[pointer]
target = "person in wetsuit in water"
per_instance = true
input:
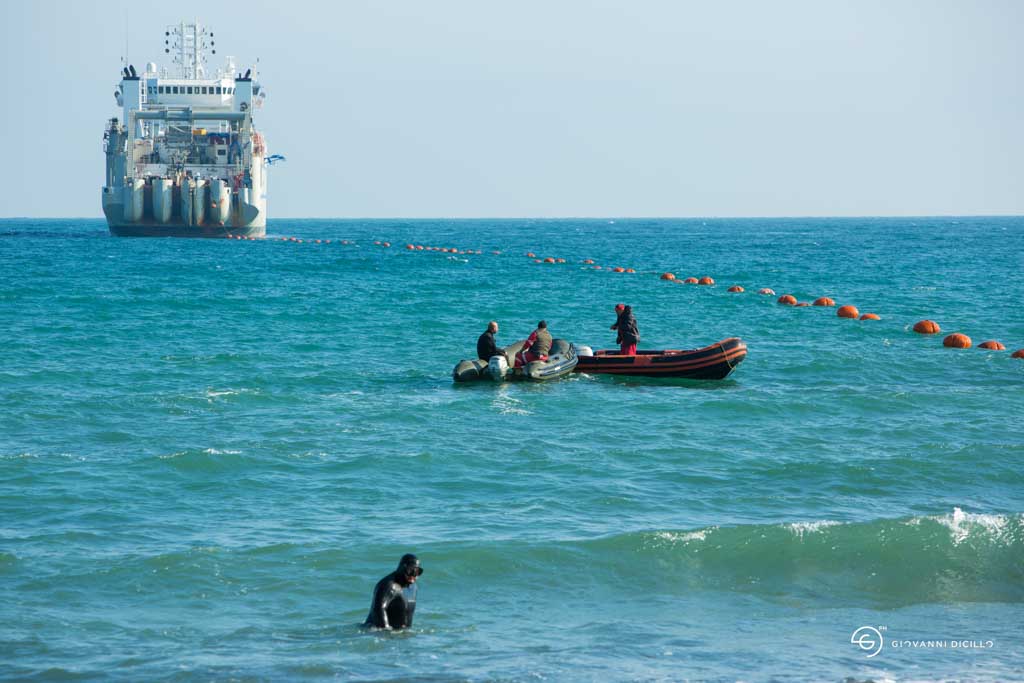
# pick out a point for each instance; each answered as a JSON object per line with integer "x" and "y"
{"x": 394, "y": 597}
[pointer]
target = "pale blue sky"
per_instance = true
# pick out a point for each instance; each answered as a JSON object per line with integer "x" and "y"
{"x": 567, "y": 108}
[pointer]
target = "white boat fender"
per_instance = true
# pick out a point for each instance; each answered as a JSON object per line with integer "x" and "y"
{"x": 584, "y": 351}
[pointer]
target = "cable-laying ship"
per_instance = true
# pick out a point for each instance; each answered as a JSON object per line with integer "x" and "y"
{"x": 185, "y": 160}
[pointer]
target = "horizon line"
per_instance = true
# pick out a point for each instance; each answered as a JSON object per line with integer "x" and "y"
{"x": 567, "y": 218}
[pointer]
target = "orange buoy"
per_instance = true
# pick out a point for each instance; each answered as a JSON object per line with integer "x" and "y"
{"x": 705, "y": 281}
{"x": 690, "y": 281}
{"x": 824, "y": 301}
{"x": 496, "y": 253}
{"x": 766, "y": 291}
{"x": 376, "y": 242}
{"x": 992, "y": 345}
{"x": 870, "y": 316}
{"x": 530, "y": 254}
{"x": 588, "y": 261}
{"x": 1019, "y": 353}
{"x": 957, "y": 341}
{"x": 537, "y": 260}
{"x": 597, "y": 267}
{"x": 409, "y": 246}
{"x": 927, "y": 327}
{"x": 848, "y": 312}
{"x": 630, "y": 270}
{"x": 668, "y": 276}
{"x": 549, "y": 260}
{"x": 619, "y": 269}
{"x": 386, "y": 244}
{"x": 787, "y": 300}
{"x": 735, "y": 288}
{"x": 559, "y": 260}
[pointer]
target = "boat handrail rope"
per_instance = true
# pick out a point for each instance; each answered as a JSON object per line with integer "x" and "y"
{"x": 726, "y": 356}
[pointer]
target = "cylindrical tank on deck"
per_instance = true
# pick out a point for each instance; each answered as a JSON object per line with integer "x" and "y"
{"x": 134, "y": 200}
{"x": 187, "y": 187}
{"x": 199, "y": 202}
{"x": 220, "y": 202}
{"x": 163, "y": 197}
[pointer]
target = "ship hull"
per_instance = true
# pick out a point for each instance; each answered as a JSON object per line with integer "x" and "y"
{"x": 155, "y": 230}
{"x": 248, "y": 221}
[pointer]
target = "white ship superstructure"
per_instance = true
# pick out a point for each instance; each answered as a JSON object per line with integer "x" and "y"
{"x": 185, "y": 159}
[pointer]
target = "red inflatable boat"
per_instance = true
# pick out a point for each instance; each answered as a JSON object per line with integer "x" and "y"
{"x": 711, "y": 362}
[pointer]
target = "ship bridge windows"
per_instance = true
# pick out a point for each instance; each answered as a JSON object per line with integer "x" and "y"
{"x": 218, "y": 90}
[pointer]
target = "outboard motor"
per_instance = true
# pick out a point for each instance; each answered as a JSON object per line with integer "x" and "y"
{"x": 497, "y": 368}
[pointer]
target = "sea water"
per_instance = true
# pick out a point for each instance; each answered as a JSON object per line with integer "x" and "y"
{"x": 211, "y": 450}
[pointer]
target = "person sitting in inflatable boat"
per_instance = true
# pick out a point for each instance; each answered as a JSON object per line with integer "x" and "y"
{"x": 536, "y": 347}
{"x": 486, "y": 347}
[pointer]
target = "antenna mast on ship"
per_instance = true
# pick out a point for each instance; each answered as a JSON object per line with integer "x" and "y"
{"x": 190, "y": 43}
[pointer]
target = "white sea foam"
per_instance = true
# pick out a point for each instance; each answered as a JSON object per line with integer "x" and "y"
{"x": 213, "y": 393}
{"x": 673, "y": 537}
{"x": 17, "y": 456}
{"x": 962, "y": 524}
{"x": 217, "y": 451}
{"x": 507, "y": 404}
{"x": 171, "y": 456}
{"x": 206, "y": 451}
{"x": 801, "y": 528}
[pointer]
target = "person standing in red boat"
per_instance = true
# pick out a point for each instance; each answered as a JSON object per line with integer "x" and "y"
{"x": 629, "y": 333}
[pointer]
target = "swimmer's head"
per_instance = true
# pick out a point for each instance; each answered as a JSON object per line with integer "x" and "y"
{"x": 409, "y": 568}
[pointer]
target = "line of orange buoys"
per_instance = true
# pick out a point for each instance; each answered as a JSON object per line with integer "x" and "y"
{"x": 847, "y": 311}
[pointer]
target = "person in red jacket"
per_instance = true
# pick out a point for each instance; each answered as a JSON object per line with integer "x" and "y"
{"x": 536, "y": 347}
{"x": 629, "y": 333}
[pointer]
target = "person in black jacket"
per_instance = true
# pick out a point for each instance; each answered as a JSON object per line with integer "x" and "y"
{"x": 629, "y": 333}
{"x": 394, "y": 597}
{"x": 485, "y": 345}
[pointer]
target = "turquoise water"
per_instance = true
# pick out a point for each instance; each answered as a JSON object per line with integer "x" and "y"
{"x": 211, "y": 450}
